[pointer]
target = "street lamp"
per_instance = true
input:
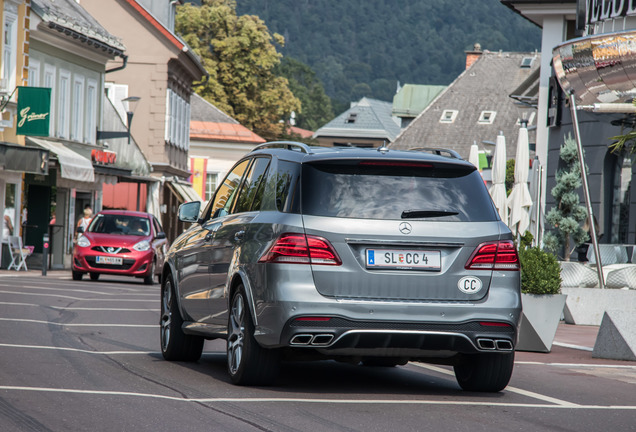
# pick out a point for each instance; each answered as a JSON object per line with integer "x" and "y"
{"x": 489, "y": 152}
{"x": 130, "y": 105}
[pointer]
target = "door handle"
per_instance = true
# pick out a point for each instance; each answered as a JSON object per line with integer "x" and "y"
{"x": 238, "y": 236}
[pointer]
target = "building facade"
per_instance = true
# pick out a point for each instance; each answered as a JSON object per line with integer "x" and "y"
{"x": 587, "y": 50}
{"x": 56, "y": 54}
{"x": 217, "y": 142}
{"x": 160, "y": 71}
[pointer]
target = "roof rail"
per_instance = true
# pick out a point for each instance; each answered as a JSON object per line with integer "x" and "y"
{"x": 289, "y": 145}
{"x": 438, "y": 151}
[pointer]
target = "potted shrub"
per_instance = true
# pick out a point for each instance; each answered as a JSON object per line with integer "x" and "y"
{"x": 541, "y": 297}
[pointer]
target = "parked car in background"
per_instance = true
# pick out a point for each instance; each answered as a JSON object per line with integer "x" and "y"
{"x": 370, "y": 256}
{"x": 120, "y": 242}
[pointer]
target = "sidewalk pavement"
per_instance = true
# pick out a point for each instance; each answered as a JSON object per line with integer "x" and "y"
{"x": 572, "y": 343}
{"x": 58, "y": 274}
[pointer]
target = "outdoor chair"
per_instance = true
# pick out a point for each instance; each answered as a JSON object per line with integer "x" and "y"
{"x": 622, "y": 278}
{"x": 18, "y": 253}
{"x": 577, "y": 275}
{"x": 610, "y": 254}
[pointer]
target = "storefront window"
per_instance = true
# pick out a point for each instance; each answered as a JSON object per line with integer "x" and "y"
{"x": 9, "y": 220}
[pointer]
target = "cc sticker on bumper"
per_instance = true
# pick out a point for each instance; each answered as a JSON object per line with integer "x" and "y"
{"x": 469, "y": 284}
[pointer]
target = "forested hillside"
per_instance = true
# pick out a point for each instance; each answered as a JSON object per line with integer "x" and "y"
{"x": 364, "y": 47}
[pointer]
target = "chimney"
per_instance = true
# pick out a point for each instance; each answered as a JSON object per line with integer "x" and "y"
{"x": 472, "y": 56}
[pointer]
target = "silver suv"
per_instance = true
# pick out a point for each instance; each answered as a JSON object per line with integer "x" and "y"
{"x": 371, "y": 256}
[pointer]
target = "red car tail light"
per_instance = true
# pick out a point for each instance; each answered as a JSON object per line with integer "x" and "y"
{"x": 499, "y": 255}
{"x": 494, "y": 324}
{"x": 301, "y": 249}
{"x": 313, "y": 319}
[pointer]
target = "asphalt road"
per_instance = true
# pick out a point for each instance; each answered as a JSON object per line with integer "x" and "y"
{"x": 84, "y": 356}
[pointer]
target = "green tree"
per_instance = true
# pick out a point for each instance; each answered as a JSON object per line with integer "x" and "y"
{"x": 316, "y": 107}
{"x": 510, "y": 175}
{"x": 350, "y": 42}
{"x": 567, "y": 215}
{"x": 240, "y": 54}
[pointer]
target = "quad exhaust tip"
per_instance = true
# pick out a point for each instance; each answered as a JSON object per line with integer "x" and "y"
{"x": 494, "y": 344}
{"x": 322, "y": 339}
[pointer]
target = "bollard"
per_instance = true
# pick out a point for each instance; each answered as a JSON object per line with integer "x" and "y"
{"x": 45, "y": 253}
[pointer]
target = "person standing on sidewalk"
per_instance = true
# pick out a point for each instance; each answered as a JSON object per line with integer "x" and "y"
{"x": 85, "y": 221}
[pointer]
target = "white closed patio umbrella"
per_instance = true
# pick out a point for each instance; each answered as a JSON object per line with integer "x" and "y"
{"x": 536, "y": 213}
{"x": 498, "y": 188}
{"x": 473, "y": 156}
{"x": 520, "y": 200}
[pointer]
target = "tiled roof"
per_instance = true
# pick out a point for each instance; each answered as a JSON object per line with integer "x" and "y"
{"x": 485, "y": 86}
{"x": 208, "y": 123}
{"x": 202, "y": 110}
{"x": 224, "y": 132}
{"x": 411, "y": 99}
{"x": 302, "y": 132}
{"x": 71, "y": 15}
{"x": 368, "y": 118}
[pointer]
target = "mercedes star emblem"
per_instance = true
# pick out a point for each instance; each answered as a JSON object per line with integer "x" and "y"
{"x": 405, "y": 228}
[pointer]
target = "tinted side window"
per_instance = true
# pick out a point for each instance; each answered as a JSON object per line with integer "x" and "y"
{"x": 287, "y": 187}
{"x": 356, "y": 190}
{"x": 251, "y": 185}
{"x": 224, "y": 197}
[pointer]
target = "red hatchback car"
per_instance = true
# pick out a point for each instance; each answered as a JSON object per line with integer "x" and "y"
{"x": 120, "y": 242}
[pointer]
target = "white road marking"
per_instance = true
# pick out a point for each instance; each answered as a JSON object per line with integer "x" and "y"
{"x": 509, "y": 388}
{"x": 75, "y": 298}
{"x": 54, "y": 348}
{"x": 116, "y": 285}
{"x": 577, "y": 347}
{"x": 79, "y": 324}
{"x": 88, "y": 291}
{"x": 577, "y": 365}
{"x": 312, "y": 401}
{"x": 80, "y": 308}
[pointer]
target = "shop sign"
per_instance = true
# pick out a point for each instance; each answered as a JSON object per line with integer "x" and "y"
{"x": 104, "y": 157}
{"x": 34, "y": 111}
{"x": 600, "y": 10}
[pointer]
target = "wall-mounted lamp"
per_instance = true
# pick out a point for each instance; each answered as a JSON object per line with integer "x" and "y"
{"x": 130, "y": 106}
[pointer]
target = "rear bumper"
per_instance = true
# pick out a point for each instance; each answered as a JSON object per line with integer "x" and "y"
{"x": 343, "y": 337}
{"x": 384, "y": 327}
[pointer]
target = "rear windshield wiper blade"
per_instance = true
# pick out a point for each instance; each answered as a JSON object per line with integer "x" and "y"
{"x": 414, "y": 214}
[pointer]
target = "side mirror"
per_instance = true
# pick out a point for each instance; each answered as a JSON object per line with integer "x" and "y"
{"x": 161, "y": 235}
{"x": 189, "y": 212}
{"x": 80, "y": 229}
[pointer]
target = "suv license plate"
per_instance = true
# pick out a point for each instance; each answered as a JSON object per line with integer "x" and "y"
{"x": 108, "y": 260}
{"x": 404, "y": 259}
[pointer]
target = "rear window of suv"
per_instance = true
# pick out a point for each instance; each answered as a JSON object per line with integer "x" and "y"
{"x": 395, "y": 190}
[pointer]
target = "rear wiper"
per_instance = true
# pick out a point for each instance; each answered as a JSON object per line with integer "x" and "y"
{"x": 413, "y": 214}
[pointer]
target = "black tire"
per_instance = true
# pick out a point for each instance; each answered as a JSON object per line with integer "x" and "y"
{"x": 150, "y": 278}
{"x": 94, "y": 276}
{"x": 247, "y": 362}
{"x": 175, "y": 344}
{"x": 484, "y": 372}
{"x": 77, "y": 275}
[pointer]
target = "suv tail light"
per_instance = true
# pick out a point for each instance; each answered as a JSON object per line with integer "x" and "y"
{"x": 499, "y": 255}
{"x": 301, "y": 249}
